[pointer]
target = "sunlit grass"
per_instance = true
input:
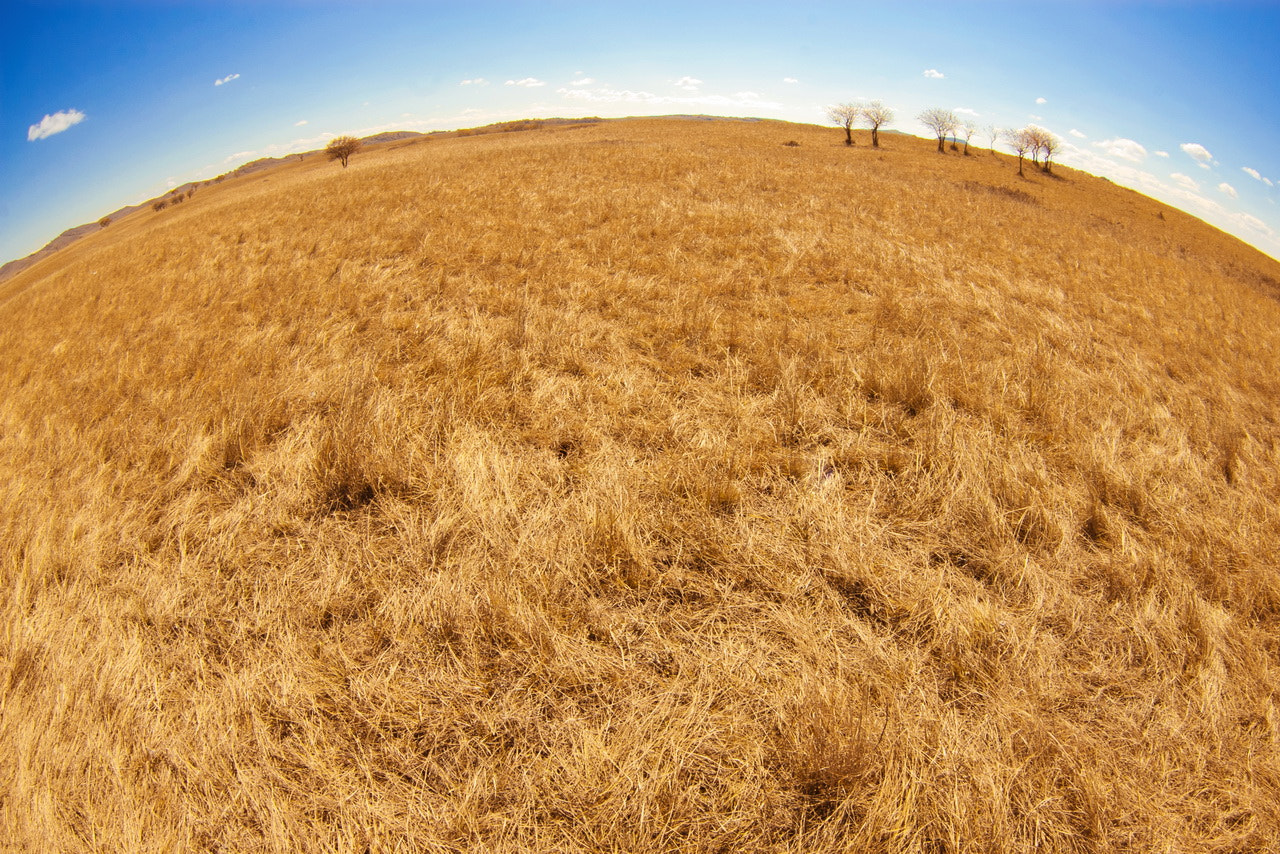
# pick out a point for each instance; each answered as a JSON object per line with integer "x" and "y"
{"x": 643, "y": 486}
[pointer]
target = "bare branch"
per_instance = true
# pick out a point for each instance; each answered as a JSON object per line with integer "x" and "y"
{"x": 941, "y": 122}
{"x": 341, "y": 148}
{"x": 845, "y": 115}
{"x": 877, "y": 115}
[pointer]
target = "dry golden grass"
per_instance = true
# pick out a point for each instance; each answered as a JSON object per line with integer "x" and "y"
{"x": 647, "y": 486}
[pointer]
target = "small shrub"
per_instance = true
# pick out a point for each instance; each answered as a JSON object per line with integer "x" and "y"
{"x": 159, "y": 206}
{"x": 104, "y": 222}
{"x": 792, "y": 143}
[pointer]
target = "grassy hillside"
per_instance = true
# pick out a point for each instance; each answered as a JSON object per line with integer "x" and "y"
{"x": 646, "y": 486}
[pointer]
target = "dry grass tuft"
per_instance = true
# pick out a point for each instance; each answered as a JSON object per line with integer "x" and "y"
{"x": 622, "y": 486}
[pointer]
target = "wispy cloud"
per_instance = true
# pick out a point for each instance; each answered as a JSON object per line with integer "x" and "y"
{"x": 689, "y": 84}
{"x": 226, "y": 79}
{"x": 965, "y": 111}
{"x": 56, "y": 123}
{"x": 934, "y": 74}
{"x": 1125, "y": 148}
{"x": 300, "y": 123}
{"x": 585, "y": 81}
{"x": 1197, "y": 152}
{"x": 1162, "y": 154}
{"x": 1252, "y": 173}
{"x": 1228, "y": 190}
{"x": 1077, "y": 134}
{"x": 529, "y": 82}
{"x": 790, "y": 80}
{"x": 737, "y": 101}
{"x": 1185, "y": 181}
{"x": 1042, "y": 100}
{"x": 474, "y": 81}
{"x": 1255, "y": 223}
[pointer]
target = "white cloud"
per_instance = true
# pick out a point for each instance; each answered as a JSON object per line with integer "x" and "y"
{"x": 737, "y": 101}
{"x": 1255, "y": 223}
{"x": 934, "y": 74}
{"x": 1034, "y": 117}
{"x": 1077, "y": 134}
{"x": 529, "y": 82}
{"x": 790, "y": 80}
{"x": 965, "y": 111}
{"x": 1185, "y": 181}
{"x": 1198, "y": 153}
{"x": 226, "y": 79}
{"x": 1125, "y": 148}
{"x": 1041, "y": 101}
{"x": 1162, "y": 154}
{"x": 689, "y": 84}
{"x": 585, "y": 81}
{"x": 1228, "y": 190}
{"x": 475, "y": 81}
{"x": 1252, "y": 173}
{"x": 56, "y": 123}
{"x": 300, "y": 124}
{"x": 1267, "y": 181}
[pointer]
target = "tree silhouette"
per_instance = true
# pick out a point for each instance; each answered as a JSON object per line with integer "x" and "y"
{"x": 341, "y": 148}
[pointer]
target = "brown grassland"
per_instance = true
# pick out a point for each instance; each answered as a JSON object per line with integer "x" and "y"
{"x": 650, "y": 485}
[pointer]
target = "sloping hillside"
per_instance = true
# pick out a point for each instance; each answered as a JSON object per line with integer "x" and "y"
{"x": 643, "y": 486}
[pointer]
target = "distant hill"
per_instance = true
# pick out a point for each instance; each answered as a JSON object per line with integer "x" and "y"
{"x": 71, "y": 235}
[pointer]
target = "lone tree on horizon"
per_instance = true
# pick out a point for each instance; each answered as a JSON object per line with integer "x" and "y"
{"x": 845, "y": 115}
{"x": 941, "y": 122}
{"x": 341, "y": 148}
{"x": 877, "y": 115}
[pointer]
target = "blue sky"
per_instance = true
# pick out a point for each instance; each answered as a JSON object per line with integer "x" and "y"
{"x": 107, "y": 104}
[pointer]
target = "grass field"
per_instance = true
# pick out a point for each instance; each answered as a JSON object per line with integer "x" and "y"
{"x": 643, "y": 486}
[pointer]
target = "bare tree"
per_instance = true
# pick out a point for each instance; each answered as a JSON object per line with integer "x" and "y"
{"x": 877, "y": 115}
{"x": 1047, "y": 147}
{"x": 941, "y": 122}
{"x": 341, "y": 148}
{"x": 969, "y": 130}
{"x": 1021, "y": 141}
{"x": 993, "y": 133}
{"x": 845, "y": 115}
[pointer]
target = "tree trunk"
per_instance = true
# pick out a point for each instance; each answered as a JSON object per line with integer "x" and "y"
{"x": 942, "y": 145}
{"x": 1020, "y": 175}
{"x": 875, "y": 138}
{"x": 848, "y": 135}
